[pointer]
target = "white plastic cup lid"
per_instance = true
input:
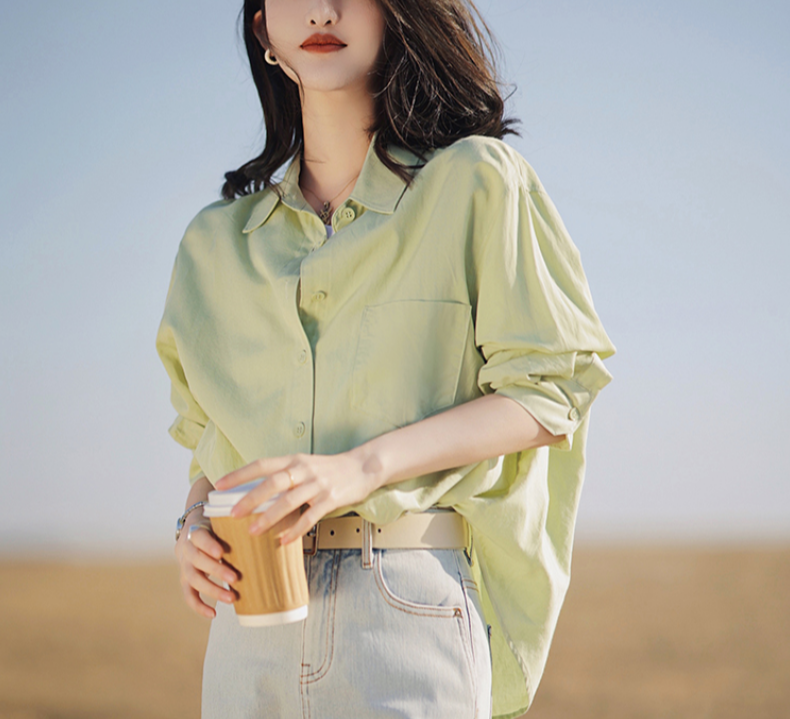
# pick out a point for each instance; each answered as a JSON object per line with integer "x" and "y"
{"x": 220, "y": 502}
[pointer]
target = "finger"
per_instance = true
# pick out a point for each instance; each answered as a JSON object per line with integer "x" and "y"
{"x": 289, "y": 502}
{"x": 312, "y": 516}
{"x": 254, "y": 470}
{"x": 192, "y": 556}
{"x": 199, "y": 581}
{"x": 276, "y": 483}
{"x": 205, "y": 541}
{"x": 197, "y": 605}
{"x": 211, "y": 566}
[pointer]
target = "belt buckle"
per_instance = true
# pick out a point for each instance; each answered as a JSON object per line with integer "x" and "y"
{"x": 313, "y": 534}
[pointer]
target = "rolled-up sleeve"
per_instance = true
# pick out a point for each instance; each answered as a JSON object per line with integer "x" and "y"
{"x": 535, "y": 324}
{"x": 191, "y": 420}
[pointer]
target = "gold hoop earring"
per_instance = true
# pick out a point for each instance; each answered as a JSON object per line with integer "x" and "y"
{"x": 269, "y": 58}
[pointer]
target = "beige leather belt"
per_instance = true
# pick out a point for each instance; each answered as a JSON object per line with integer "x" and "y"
{"x": 434, "y": 529}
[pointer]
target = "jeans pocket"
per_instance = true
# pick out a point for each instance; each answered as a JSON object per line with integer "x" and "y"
{"x": 425, "y": 589}
{"x": 419, "y": 581}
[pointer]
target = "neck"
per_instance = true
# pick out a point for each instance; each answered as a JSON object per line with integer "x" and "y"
{"x": 335, "y": 143}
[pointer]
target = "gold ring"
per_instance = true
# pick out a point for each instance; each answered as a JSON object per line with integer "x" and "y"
{"x": 291, "y": 477}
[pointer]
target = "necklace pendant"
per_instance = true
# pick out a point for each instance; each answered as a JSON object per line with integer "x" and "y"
{"x": 325, "y": 214}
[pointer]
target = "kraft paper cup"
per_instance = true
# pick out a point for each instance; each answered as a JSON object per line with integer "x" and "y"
{"x": 273, "y": 585}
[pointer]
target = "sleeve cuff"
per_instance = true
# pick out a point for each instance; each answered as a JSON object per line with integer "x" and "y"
{"x": 558, "y": 403}
{"x": 186, "y": 432}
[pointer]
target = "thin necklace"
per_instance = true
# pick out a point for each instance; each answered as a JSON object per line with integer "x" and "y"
{"x": 326, "y": 213}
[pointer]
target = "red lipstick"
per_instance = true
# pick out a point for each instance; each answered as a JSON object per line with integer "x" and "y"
{"x": 322, "y": 42}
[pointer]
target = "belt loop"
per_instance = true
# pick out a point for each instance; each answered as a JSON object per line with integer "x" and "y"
{"x": 367, "y": 544}
{"x": 312, "y": 534}
{"x": 470, "y": 542}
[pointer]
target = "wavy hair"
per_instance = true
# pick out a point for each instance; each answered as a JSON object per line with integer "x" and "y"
{"x": 436, "y": 83}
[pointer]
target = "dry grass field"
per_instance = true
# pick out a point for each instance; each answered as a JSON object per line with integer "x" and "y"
{"x": 646, "y": 633}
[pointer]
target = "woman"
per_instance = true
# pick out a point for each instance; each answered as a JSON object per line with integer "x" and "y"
{"x": 401, "y": 327}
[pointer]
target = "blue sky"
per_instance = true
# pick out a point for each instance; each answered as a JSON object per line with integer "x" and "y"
{"x": 659, "y": 130}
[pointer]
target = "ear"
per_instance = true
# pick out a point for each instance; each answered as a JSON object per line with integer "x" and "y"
{"x": 258, "y": 28}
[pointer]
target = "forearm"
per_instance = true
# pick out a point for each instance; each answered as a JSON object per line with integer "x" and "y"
{"x": 198, "y": 493}
{"x": 486, "y": 427}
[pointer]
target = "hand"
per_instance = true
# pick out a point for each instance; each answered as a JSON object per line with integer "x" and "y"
{"x": 323, "y": 482}
{"x": 197, "y": 558}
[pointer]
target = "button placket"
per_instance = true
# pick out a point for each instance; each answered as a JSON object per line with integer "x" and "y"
{"x": 310, "y": 278}
{"x": 315, "y": 282}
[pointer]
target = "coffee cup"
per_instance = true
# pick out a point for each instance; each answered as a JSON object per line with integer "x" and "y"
{"x": 272, "y": 588}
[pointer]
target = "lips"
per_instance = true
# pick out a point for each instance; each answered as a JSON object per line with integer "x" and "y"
{"x": 322, "y": 40}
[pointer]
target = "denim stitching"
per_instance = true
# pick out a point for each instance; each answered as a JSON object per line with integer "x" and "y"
{"x": 329, "y": 640}
{"x": 468, "y": 612}
{"x": 470, "y": 646}
{"x": 303, "y": 693}
{"x": 403, "y": 605}
{"x": 469, "y": 667}
{"x": 425, "y": 610}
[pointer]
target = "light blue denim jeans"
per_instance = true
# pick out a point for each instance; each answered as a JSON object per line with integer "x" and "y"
{"x": 395, "y": 633}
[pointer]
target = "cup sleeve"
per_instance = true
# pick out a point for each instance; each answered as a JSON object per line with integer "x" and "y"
{"x": 535, "y": 323}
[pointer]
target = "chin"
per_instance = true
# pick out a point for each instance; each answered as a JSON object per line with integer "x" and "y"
{"x": 332, "y": 82}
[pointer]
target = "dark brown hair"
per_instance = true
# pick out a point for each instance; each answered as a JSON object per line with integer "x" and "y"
{"x": 435, "y": 84}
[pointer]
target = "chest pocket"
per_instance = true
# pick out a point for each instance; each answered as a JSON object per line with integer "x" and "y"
{"x": 408, "y": 359}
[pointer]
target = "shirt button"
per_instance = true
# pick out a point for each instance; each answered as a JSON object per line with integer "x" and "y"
{"x": 320, "y": 295}
{"x": 348, "y": 213}
{"x": 299, "y": 429}
{"x": 302, "y": 357}
{"x": 574, "y": 414}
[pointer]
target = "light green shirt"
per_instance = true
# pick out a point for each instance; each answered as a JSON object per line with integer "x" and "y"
{"x": 280, "y": 340}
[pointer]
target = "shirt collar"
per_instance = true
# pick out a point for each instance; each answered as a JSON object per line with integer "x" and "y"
{"x": 377, "y": 188}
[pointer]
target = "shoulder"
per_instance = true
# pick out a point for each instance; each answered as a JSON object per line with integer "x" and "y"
{"x": 487, "y": 162}
{"x": 223, "y": 219}
{"x": 215, "y": 231}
